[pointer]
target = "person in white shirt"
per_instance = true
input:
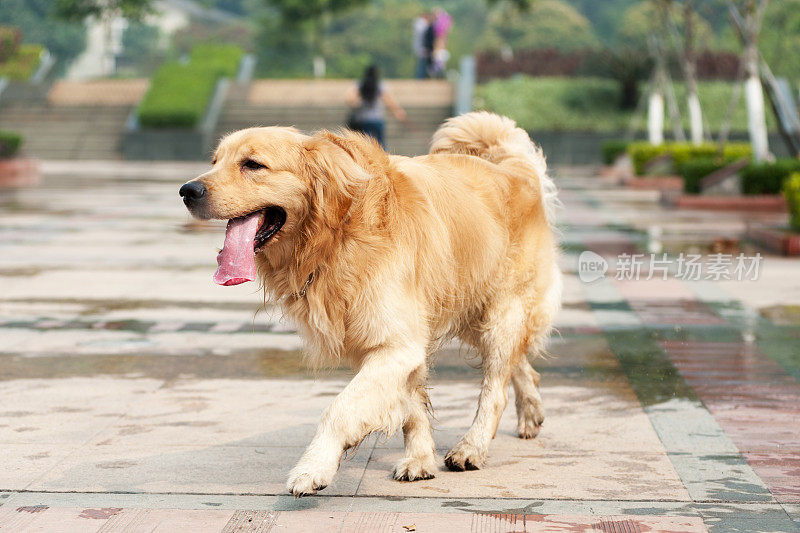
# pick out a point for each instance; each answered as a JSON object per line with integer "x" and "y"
{"x": 367, "y": 99}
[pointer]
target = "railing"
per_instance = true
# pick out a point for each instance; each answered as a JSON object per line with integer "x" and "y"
{"x": 246, "y": 68}
{"x": 35, "y": 88}
{"x": 3, "y": 85}
{"x": 209, "y": 124}
{"x": 46, "y": 64}
{"x": 465, "y": 86}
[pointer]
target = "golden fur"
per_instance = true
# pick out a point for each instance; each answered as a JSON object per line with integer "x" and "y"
{"x": 402, "y": 253}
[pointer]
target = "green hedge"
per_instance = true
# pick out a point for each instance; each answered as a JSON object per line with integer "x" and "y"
{"x": 791, "y": 190}
{"x": 643, "y": 152}
{"x": 613, "y": 149}
{"x": 10, "y": 143}
{"x": 222, "y": 60}
{"x": 23, "y": 63}
{"x": 767, "y": 178}
{"x": 694, "y": 170}
{"x": 179, "y": 94}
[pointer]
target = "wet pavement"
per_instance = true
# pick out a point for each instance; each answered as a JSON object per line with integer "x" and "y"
{"x": 137, "y": 394}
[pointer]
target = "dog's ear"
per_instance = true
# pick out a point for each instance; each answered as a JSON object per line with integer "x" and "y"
{"x": 335, "y": 175}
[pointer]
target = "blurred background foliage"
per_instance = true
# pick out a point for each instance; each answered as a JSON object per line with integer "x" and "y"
{"x": 355, "y": 32}
{"x": 38, "y": 23}
{"x": 555, "y": 63}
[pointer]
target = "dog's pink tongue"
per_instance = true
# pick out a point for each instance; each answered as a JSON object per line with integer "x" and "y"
{"x": 237, "y": 260}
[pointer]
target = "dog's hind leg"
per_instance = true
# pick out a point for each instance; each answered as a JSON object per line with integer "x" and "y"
{"x": 377, "y": 399}
{"x": 502, "y": 344}
{"x": 530, "y": 411}
{"x": 420, "y": 457}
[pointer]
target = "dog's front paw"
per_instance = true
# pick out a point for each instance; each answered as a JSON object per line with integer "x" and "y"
{"x": 414, "y": 468}
{"x": 530, "y": 417}
{"x": 305, "y": 484}
{"x": 465, "y": 456}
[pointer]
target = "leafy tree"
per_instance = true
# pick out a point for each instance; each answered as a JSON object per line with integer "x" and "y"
{"x": 39, "y": 25}
{"x": 80, "y": 9}
{"x": 629, "y": 66}
{"x": 547, "y": 24}
{"x": 641, "y": 20}
{"x": 780, "y": 43}
{"x": 105, "y": 11}
{"x": 142, "y": 52}
{"x": 281, "y": 53}
{"x": 603, "y": 14}
{"x": 369, "y": 36}
{"x": 312, "y": 17}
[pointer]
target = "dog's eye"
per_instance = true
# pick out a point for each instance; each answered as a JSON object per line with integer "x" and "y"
{"x": 249, "y": 164}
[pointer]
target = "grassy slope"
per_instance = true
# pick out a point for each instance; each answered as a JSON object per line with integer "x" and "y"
{"x": 590, "y": 104}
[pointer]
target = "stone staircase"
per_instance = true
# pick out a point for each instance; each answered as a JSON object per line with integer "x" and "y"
{"x": 86, "y": 120}
{"x": 77, "y": 120}
{"x": 74, "y": 132}
{"x": 310, "y": 105}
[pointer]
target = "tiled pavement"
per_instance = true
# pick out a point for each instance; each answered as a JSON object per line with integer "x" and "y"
{"x": 136, "y": 395}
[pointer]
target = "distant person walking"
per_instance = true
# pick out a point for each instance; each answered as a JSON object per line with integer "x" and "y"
{"x": 367, "y": 99}
{"x": 422, "y": 44}
{"x": 441, "y": 25}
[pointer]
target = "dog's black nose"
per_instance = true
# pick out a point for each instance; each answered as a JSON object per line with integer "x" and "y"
{"x": 194, "y": 190}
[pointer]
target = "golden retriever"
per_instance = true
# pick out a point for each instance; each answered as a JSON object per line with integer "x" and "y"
{"x": 379, "y": 258}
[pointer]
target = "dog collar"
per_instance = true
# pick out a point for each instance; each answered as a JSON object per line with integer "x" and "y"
{"x": 302, "y": 292}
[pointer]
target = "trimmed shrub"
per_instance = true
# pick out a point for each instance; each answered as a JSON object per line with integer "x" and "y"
{"x": 613, "y": 149}
{"x": 791, "y": 190}
{"x": 179, "y": 94}
{"x": 694, "y": 170}
{"x": 767, "y": 178}
{"x": 23, "y": 64}
{"x": 643, "y": 152}
{"x": 736, "y": 151}
{"x": 10, "y": 143}
{"x": 177, "y": 98}
{"x": 221, "y": 60}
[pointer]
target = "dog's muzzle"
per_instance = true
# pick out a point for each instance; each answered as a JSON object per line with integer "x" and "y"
{"x": 192, "y": 193}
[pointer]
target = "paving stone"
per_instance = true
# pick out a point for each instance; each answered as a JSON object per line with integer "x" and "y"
{"x": 536, "y": 474}
{"x": 188, "y": 469}
{"x": 68, "y": 412}
{"x": 659, "y": 416}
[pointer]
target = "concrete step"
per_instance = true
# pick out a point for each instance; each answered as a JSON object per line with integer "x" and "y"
{"x": 67, "y": 131}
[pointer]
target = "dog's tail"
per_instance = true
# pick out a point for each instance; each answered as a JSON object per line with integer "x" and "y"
{"x": 496, "y": 139}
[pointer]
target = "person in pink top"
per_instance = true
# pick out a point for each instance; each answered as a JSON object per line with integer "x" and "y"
{"x": 442, "y": 23}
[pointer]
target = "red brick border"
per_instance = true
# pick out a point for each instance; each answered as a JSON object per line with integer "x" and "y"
{"x": 775, "y": 239}
{"x": 18, "y": 172}
{"x": 769, "y": 203}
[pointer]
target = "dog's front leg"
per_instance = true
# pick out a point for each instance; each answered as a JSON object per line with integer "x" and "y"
{"x": 375, "y": 400}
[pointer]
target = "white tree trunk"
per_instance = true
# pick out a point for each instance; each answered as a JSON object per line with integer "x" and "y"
{"x": 756, "y": 119}
{"x": 695, "y": 118}
{"x": 108, "y": 54}
{"x": 655, "y": 118}
{"x": 319, "y": 67}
